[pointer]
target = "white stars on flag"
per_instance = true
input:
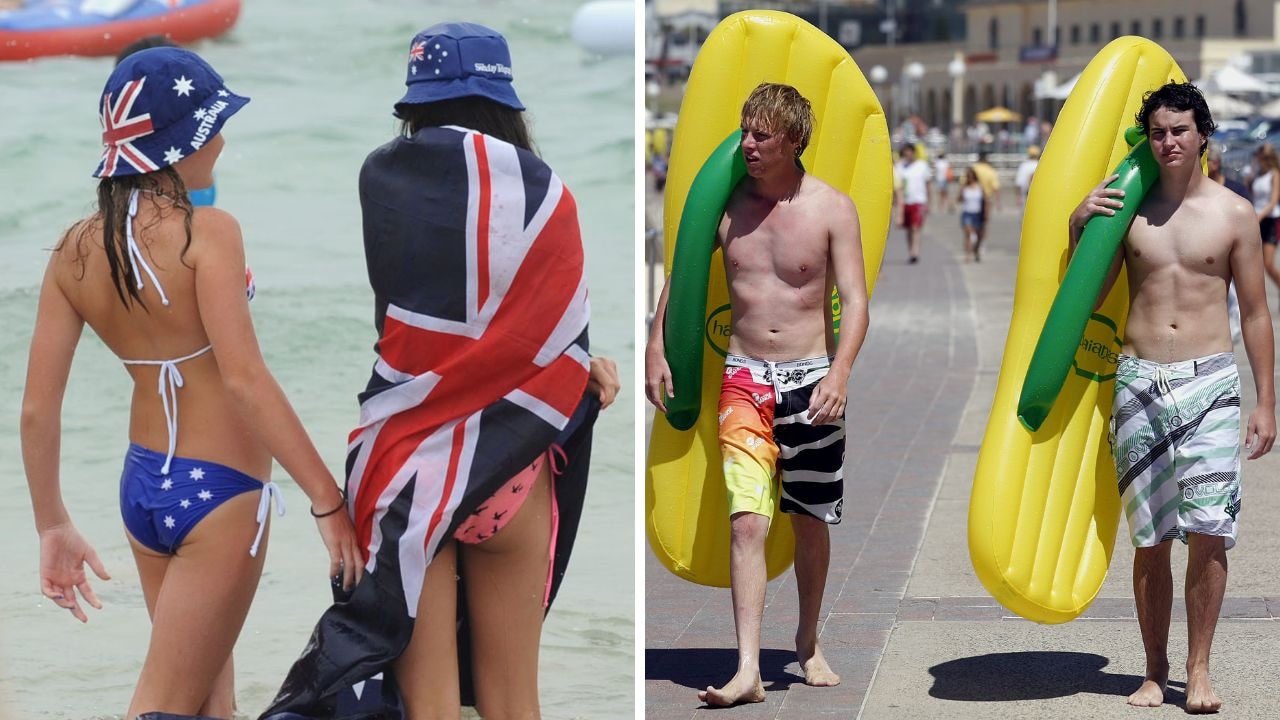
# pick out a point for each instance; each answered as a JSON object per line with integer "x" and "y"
{"x": 438, "y": 60}
{"x": 223, "y": 93}
{"x": 182, "y": 85}
{"x": 167, "y": 484}
{"x": 199, "y": 113}
{"x": 172, "y": 155}
{"x": 185, "y": 503}
{"x": 169, "y": 522}
{"x": 204, "y": 495}
{"x": 197, "y": 473}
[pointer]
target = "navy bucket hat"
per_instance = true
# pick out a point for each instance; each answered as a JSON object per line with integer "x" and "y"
{"x": 455, "y": 60}
{"x": 159, "y": 106}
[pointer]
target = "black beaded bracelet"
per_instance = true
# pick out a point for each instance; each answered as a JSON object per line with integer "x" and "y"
{"x": 327, "y": 514}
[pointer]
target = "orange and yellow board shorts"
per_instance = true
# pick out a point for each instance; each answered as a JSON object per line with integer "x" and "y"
{"x": 774, "y": 458}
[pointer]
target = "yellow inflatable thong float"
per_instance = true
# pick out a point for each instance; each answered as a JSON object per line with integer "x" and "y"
{"x": 1045, "y": 508}
{"x": 686, "y": 508}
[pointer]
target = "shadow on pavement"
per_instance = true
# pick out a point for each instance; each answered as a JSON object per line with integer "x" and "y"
{"x": 697, "y": 668}
{"x": 1035, "y": 675}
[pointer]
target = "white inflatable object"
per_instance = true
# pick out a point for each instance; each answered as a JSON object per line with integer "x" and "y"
{"x": 606, "y": 27}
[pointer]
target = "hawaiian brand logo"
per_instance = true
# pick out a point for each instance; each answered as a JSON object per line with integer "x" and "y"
{"x": 835, "y": 311}
{"x": 1099, "y": 350}
{"x": 718, "y": 328}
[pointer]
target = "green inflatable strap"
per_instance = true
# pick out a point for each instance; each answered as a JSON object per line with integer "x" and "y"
{"x": 690, "y": 270}
{"x": 1078, "y": 294}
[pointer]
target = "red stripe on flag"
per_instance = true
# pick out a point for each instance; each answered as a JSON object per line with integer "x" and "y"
{"x": 130, "y": 89}
{"x": 139, "y": 160}
{"x": 450, "y": 479}
{"x": 482, "y": 222}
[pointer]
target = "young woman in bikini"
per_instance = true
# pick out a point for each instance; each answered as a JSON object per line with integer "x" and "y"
{"x": 164, "y": 285}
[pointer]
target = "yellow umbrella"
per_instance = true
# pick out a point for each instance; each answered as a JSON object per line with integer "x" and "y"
{"x": 998, "y": 113}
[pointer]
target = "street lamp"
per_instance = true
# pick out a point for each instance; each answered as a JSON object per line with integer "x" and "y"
{"x": 878, "y": 76}
{"x": 912, "y": 74}
{"x": 956, "y": 70}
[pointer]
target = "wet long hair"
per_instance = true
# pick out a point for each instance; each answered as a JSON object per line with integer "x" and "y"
{"x": 1179, "y": 97}
{"x": 475, "y": 113}
{"x": 113, "y": 214}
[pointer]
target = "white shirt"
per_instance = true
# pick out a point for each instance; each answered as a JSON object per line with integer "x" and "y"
{"x": 1262, "y": 193}
{"x": 971, "y": 197}
{"x": 1025, "y": 170}
{"x": 915, "y": 182}
{"x": 940, "y": 168}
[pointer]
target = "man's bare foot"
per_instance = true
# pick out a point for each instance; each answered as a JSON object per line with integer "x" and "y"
{"x": 817, "y": 673}
{"x": 1151, "y": 693}
{"x": 1200, "y": 695}
{"x": 743, "y": 688}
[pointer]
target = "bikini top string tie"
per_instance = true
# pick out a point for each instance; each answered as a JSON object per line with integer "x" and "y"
{"x": 135, "y": 254}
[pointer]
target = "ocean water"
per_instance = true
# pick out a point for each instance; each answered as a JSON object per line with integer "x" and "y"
{"x": 323, "y": 76}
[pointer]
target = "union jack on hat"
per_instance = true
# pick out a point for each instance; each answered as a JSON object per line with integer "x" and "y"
{"x": 159, "y": 106}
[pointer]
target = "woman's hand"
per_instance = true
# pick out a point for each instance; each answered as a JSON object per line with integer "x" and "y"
{"x": 603, "y": 380}
{"x": 339, "y": 536}
{"x": 63, "y": 554}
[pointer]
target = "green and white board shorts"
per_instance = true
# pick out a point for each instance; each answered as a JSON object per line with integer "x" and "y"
{"x": 1175, "y": 436}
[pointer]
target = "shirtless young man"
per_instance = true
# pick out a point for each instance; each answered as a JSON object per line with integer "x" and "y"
{"x": 787, "y": 238}
{"x": 1176, "y": 414}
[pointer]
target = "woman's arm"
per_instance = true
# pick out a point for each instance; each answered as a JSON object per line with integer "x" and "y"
{"x": 63, "y": 552}
{"x": 1274, "y": 198}
{"x": 218, "y": 258}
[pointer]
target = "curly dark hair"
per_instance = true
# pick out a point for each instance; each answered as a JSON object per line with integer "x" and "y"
{"x": 1179, "y": 97}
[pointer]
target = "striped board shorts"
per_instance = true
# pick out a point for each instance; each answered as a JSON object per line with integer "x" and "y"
{"x": 1175, "y": 437}
{"x": 765, "y": 434}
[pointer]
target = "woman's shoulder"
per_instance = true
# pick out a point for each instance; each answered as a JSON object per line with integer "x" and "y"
{"x": 214, "y": 232}
{"x": 214, "y": 221}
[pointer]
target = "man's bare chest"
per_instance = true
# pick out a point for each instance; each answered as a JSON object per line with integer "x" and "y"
{"x": 1203, "y": 246}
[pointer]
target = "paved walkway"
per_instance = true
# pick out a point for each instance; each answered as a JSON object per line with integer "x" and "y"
{"x": 906, "y": 624}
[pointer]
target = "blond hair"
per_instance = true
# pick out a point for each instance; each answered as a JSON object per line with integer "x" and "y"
{"x": 1267, "y": 158}
{"x": 782, "y": 109}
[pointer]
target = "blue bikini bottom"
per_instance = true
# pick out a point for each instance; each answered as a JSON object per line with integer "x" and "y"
{"x": 159, "y": 509}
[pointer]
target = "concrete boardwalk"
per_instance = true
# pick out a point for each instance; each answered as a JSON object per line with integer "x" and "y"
{"x": 906, "y": 623}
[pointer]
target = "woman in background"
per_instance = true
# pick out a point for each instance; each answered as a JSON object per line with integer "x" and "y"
{"x": 1266, "y": 202}
{"x": 973, "y": 215}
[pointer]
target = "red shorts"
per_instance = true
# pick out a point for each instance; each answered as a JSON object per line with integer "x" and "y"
{"x": 913, "y": 215}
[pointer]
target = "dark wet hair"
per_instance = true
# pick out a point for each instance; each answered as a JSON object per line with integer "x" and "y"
{"x": 475, "y": 113}
{"x": 146, "y": 43}
{"x": 1179, "y": 97}
{"x": 113, "y": 214}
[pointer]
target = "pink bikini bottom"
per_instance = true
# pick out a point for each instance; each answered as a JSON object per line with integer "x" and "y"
{"x": 494, "y": 514}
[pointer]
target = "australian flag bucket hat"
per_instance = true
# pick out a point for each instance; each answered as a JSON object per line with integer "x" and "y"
{"x": 454, "y": 60}
{"x": 159, "y": 106}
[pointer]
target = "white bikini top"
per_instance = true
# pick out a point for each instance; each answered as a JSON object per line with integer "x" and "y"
{"x": 171, "y": 377}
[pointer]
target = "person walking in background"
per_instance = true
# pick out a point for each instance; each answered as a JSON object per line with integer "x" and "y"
{"x": 468, "y": 470}
{"x": 1266, "y": 203}
{"x": 943, "y": 174}
{"x": 912, "y": 197}
{"x": 1026, "y": 170}
{"x": 989, "y": 178}
{"x": 973, "y": 215}
{"x": 163, "y": 285}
